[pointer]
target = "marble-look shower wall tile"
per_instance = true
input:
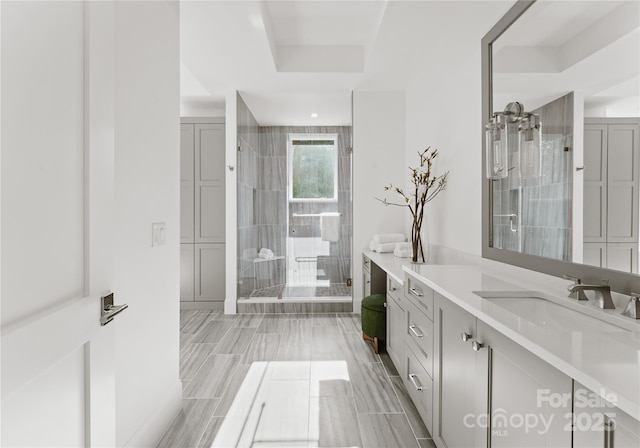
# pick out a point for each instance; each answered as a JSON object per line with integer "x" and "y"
{"x": 272, "y": 207}
{"x": 342, "y": 247}
{"x": 245, "y": 206}
{"x": 273, "y": 173}
{"x": 345, "y": 207}
{"x": 273, "y": 237}
{"x": 344, "y": 140}
{"x": 273, "y": 141}
{"x": 344, "y": 173}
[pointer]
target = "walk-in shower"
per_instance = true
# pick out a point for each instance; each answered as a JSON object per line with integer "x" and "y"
{"x": 294, "y": 212}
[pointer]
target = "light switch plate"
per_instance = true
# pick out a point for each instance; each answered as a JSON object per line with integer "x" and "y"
{"x": 158, "y": 234}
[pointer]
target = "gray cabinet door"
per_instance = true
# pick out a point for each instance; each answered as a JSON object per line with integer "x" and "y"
{"x": 187, "y": 186}
{"x": 209, "y": 272}
{"x": 595, "y": 183}
{"x": 395, "y": 332}
{"x": 623, "y": 151}
{"x": 209, "y": 183}
{"x": 595, "y": 417}
{"x": 455, "y": 378}
{"x": 187, "y": 273}
{"x": 522, "y": 386}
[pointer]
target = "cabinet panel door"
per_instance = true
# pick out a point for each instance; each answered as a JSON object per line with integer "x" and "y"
{"x": 366, "y": 284}
{"x": 591, "y": 417}
{"x": 622, "y": 257}
{"x": 623, "y": 149}
{"x": 530, "y": 400}
{"x": 187, "y": 211}
{"x": 209, "y": 183}
{"x": 187, "y": 274}
{"x": 595, "y": 254}
{"x": 210, "y": 273}
{"x": 595, "y": 183}
{"x": 455, "y": 378}
{"x": 395, "y": 332}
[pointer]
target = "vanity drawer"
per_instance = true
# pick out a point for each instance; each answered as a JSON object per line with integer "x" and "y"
{"x": 419, "y": 386}
{"x": 419, "y": 294}
{"x": 419, "y": 333}
{"x": 366, "y": 264}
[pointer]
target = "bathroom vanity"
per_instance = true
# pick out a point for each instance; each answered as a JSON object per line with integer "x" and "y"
{"x": 488, "y": 363}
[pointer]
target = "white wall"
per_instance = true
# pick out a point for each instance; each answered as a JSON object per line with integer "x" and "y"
{"x": 147, "y": 185}
{"x": 444, "y": 111}
{"x": 378, "y": 159}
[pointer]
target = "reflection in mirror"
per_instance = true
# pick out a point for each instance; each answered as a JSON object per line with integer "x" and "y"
{"x": 576, "y": 65}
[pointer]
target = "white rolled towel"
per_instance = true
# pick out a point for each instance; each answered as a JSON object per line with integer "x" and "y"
{"x": 402, "y": 253}
{"x": 389, "y": 238}
{"x": 265, "y": 253}
{"x": 384, "y": 247}
{"x": 405, "y": 245}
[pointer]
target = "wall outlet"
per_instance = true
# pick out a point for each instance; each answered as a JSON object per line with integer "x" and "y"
{"x": 158, "y": 234}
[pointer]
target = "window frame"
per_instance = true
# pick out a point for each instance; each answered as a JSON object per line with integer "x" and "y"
{"x": 290, "y": 150}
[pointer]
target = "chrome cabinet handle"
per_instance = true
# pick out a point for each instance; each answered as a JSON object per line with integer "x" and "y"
{"x": 609, "y": 431}
{"x": 465, "y": 336}
{"x": 412, "y": 377}
{"x": 415, "y": 292}
{"x": 476, "y": 345}
{"x": 416, "y": 331}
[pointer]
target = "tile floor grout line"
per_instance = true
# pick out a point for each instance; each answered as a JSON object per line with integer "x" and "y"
{"x": 400, "y": 401}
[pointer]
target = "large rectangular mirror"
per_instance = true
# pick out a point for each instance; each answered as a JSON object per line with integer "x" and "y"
{"x": 573, "y": 68}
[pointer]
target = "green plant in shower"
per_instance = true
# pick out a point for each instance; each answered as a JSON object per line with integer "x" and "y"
{"x": 426, "y": 187}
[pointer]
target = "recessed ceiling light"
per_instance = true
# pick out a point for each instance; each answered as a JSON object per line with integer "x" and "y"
{"x": 314, "y": 115}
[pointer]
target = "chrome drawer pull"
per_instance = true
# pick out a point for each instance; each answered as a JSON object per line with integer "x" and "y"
{"x": 412, "y": 377}
{"x": 415, "y": 292}
{"x": 416, "y": 331}
{"x": 609, "y": 431}
{"x": 477, "y": 345}
{"x": 465, "y": 336}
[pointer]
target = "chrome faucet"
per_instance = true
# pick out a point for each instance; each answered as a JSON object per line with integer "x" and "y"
{"x": 602, "y": 293}
{"x": 577, "y": 294}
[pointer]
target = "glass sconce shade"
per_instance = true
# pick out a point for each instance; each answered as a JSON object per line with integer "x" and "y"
{"x": 497, "y": 148}
{"x": 530, "y": 132}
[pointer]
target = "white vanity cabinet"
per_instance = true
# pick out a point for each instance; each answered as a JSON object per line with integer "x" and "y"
{"x": 416, "y": 370}
{"x": 598, "y": 423}
{"x": 489, "y": 391}
{"x": 395, "y": 322}
{"x": 456, "y": 384}
{"x": 528, "y": 399}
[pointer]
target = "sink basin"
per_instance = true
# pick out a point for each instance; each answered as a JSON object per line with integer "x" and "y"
{"x": 547, "y": 314}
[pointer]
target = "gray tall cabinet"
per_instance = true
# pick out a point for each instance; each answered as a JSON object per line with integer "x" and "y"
{"x": 611, "y": 196}
{"x": 202, "y": 217}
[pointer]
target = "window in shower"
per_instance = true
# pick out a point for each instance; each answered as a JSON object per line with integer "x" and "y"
{"x": 313, "y": 167}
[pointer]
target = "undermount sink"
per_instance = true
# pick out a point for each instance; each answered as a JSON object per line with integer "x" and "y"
{"x": 544, "y": 313}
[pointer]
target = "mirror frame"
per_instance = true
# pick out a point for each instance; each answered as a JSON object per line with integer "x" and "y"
{"x": 621, "y": 282}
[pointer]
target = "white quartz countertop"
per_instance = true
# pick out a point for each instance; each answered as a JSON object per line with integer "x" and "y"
{"x": 606, "y": 362}
{"x": 389, "y": 263}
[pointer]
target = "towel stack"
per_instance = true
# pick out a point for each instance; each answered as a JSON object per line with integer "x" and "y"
{"x": 403, "y": 250}
{"x": 385, "y": 242}
{"x": 265, "y": 253}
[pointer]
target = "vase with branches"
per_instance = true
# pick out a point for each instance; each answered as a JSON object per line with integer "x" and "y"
{"x": 425, "y": 186}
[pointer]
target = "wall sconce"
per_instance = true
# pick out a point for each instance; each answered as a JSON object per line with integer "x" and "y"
{"x": 497, "y": 147}
{"x": 497, "y": 142}
{"x": 530, "y": 132}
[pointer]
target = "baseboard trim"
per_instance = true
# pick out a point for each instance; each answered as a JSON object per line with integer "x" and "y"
{"x": 151, "y": 431}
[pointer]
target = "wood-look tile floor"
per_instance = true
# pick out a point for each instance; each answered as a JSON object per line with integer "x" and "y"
{"x": 294, "y": 380}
